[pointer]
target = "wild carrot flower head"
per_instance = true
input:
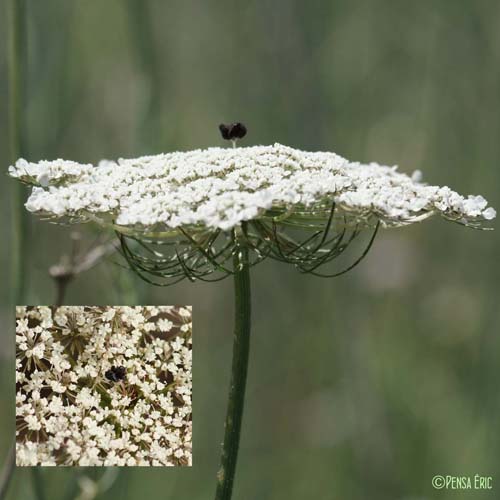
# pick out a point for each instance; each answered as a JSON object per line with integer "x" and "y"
{"x": 184, "y": 201}
{"x": 103, "y": 386}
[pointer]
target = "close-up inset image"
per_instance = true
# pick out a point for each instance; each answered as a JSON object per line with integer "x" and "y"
{"x": 103, "y": 386}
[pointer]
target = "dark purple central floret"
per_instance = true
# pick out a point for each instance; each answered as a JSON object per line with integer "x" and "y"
{"x": 115, "y": 373}
{"x": 232, "y": 131}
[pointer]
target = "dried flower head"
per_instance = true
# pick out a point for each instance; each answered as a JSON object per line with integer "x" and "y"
{"x": 103, "y": 386}
{"x": 184, "y": 206}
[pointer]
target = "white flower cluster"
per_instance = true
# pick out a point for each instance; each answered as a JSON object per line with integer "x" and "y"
{"x": 219, "y": 188}
{"x": 46, "y": 172}
{"x": 105, "y": 386}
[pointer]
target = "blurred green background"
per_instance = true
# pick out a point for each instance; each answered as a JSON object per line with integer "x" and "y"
{"x": 361, "y": 387}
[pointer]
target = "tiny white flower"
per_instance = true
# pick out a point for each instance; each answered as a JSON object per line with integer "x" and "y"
{"x": 82, "y": 409}
{"x": 221, "y": 187}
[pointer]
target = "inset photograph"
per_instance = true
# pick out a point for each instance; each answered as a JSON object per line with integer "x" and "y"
{"x": 103, "y": 386}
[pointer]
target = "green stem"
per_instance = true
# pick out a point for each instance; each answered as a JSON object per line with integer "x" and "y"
{"x": 16, "y": 70}
{"x": 8, "y": 469}
{"x": 16, "y": 11}
{"x": 241, "y": 348}
{"x": 143, "y": 43}
{"x": 38, "y": 483}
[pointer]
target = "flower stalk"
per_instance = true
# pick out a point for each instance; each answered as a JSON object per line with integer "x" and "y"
{"x": 16, "y": 11}
{"x": 16, "y": 69}
{"x": 38, "y": 484}
{"x": 241, "y": 349}
{"x": 8, "y": 470}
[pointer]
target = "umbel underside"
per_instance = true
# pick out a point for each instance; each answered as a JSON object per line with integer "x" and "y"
{"x": 309, "y": 241}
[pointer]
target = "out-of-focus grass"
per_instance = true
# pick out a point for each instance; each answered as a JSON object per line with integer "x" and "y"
{"x": 361, "y": 387}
